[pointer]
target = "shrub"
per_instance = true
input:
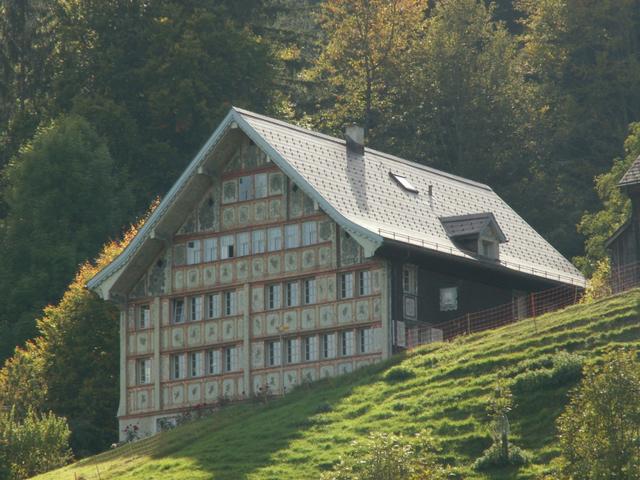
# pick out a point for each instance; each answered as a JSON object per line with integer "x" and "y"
{"x": 600, "y": 427}
{"x": 565, "y": 368}
{"x": 389, "y": 457}
{"x": 494, "y": 458}
{"x": 33, "y": 445}
{"x": 398, "y": 374}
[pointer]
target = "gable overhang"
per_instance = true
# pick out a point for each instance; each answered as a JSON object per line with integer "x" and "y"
{"x": 115, "y": 280}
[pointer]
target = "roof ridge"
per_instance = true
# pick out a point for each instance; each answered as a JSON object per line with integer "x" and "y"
{"x": 389, "y": 156}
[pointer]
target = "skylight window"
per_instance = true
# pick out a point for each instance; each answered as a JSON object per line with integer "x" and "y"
{"x": 403, "y": 182}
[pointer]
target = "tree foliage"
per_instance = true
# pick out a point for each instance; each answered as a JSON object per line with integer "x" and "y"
{"x": 600, "y": 427}
{"x": 32, "y": 444}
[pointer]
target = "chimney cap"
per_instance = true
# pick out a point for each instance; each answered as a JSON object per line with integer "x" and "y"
{"x": 354, "y": 136}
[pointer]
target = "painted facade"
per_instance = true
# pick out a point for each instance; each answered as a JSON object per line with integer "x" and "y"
{"x": 258, "y": 289}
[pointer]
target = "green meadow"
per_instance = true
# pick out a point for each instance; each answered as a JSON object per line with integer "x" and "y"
{"x": 442, "y": 388}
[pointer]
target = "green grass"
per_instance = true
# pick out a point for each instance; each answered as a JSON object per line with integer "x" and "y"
{"x": 440, "y": 387}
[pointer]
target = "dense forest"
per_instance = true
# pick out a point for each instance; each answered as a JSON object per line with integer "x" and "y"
{"x": 104, "y": 102}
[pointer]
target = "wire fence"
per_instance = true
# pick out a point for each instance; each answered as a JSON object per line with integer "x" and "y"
{"x": 525, "y": 306}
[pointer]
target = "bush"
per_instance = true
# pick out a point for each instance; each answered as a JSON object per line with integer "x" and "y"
{"x": 600, "y": 427}
{"x": 565, "y": 368}
{"x": 398, "y": 374}
{"x": 34, "y": 445}
{"x": 493, "y": 458}
{"x": 389, "y": 457}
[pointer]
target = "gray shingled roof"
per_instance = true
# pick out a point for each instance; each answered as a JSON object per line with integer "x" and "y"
{"x": 358, "y": 193}
{"x": 472, "y": 224}
{"x": 631, "y": 176}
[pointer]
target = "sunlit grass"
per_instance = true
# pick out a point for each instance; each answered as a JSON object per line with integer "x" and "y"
{"x": 305, "y": 433}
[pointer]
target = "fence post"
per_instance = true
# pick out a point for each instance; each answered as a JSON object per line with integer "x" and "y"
{"x": 468, "y": 325}
{"x": 533, "y": 305}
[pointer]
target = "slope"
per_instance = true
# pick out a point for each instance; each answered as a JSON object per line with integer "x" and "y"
{"x": 441, "y": 387}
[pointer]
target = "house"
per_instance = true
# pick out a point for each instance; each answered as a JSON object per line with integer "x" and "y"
{"x": 624, "y": 244}
{"x": 282, "y": 255}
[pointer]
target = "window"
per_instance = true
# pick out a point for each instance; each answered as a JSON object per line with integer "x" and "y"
{"x": 144, "y": 316}
{"x": 230, "y": 303}
{"x": 143, "y": 371}
{"x": 226, "y": 247}
{"x": 310, "y": 349}
{"x": 274, "y": 353}
{"x": 403, "y": 182}
{"x": 309, "y": 206}
{"x": 292, "y": 346}
{"x": 291, "y": 236}
{"x": 214, "y": 306}
{"x": 261, "y": 185}
{"x": 210, "y": 249}
{"x": 328, "y": 345}
{"x": 258, "y": 241}
{"x": 346, "y": 285}
{"x": 178, "y": 310}
{"x": 275, "y": 239}
{"x": 193, "y": 252}
{"x": 245, "y": 188}
{"x": 409, "y": 279}
{"x": 273, "y": 296}
{"x": 365, "y": 340}
{"x": 230, "y": 359}
{"x": 213, "y": 362}
{"x": 243, "y": 244}
{"x": 448, "y": 299}
{"x": 309, "y": 233}
{"x": 309, "y": 291}
{"x": 195, "y": 364}
{"x": 195, "y": 309}
{"x": 292, "y": 294}
{"x": 177, "y": 366}
{"x": 489, "y": 248}
{"x": 347, "y": 343}
{"x": 364, "y": 282}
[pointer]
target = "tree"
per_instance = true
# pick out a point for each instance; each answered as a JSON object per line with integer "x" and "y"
{"x": 366, "y": 42}
{"x": 72, "y": 366}
{"x": 32, "y": 445}
{"x": 597, "y": 227}
{"x": 65, "y": 198}
{"x": 583, "y": 56}
{"x": 600, "y": 427}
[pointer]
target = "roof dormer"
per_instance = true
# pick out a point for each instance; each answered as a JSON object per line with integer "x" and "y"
{"x": 478, "y": 233}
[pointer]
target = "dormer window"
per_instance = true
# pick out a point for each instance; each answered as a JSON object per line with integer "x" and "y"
{"x": 478, "y": 234}
{"x": 403, "y": 182}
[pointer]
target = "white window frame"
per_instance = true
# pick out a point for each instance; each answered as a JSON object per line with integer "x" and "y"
{"x": 311, "y": 348}
{"x": 178, "y": 310}
{"x": 193, "y": 252}
{"x": 243, "y": 244}
{"x": 292, "y": 346}
{"x": 214, "y": 362}
{"x": 195, "y": 308}
{"x": 292, "y": 236}
{"x": 310, "y": 291}
{"x": 274, "y": 353}
{"x": 346, "y": 285}
{"x": 231, "y": 359}
{"x": 178, "y": 366}
{"x": 214, "y": 307}
{"x": 259, "y": 241}
{"x": 261, "y": 185}
{"x": 364, "y": 282}
{"x": 210, "y": 249}
{"x": 143, "y": 371}
{"x": 274, "y": 296}
{"x": 227, "y": 247}
{"x": 309, "y": 233}
{"x": 230, "y": 303}
{"x": 144, "y": 316}
{"x": 347, "y": 343}
{"x": 328, "y": 345}
{"x": 365, "y": 340}
{"x": 195, "y": 364}
{"x": 292, "y": 297}
{"x": 244, "y": 192}
{"x": 274, "y": 235}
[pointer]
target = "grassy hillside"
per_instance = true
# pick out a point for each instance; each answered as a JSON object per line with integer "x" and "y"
{"x": 299, "y": 436}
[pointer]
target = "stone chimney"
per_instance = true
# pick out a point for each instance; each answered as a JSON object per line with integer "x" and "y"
{"x": 354, "y": 135}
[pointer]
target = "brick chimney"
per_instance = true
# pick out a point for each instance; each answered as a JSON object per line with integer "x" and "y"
{"x": 354, "y": 135}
